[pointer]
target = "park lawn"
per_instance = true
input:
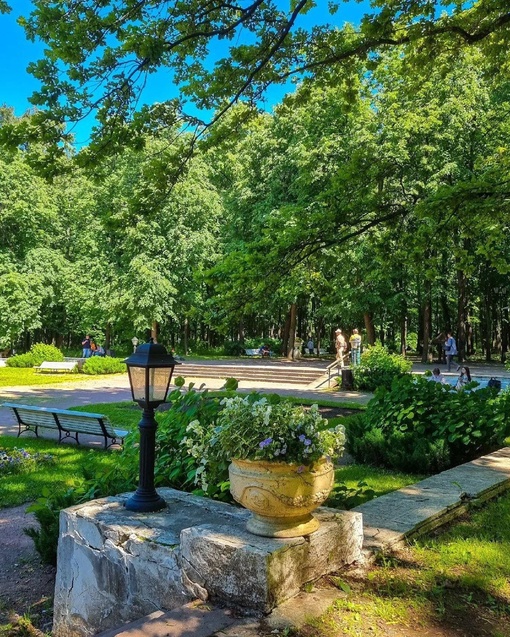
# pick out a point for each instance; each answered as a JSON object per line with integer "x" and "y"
{"x": 19, "y": 376}
{"x": 451, "y": 583}
{"x": 122, "y": 415}
{"x": 61, "y": 474}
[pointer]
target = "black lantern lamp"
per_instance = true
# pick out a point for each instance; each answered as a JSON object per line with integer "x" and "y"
{"x": 150, "y": 370}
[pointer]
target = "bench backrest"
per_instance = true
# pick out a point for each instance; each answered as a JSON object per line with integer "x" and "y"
{"x": 38, "y": 417}
{"x": 252, "y": 352}
{"x": 58, "y": 365}
{"x": 76, "y": 421}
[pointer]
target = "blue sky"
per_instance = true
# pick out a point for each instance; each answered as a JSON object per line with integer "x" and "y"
{"x": 17, "y": 85}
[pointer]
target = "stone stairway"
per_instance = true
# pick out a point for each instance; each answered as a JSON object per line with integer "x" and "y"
{"x": 272, "y": 372}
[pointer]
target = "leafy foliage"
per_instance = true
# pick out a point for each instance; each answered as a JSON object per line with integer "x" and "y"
{"x": 427, "y": 427}
{"x": 20, "y": 360}
{"x": 378, "y": 368}
{"x": 20, "y": 461}
{"x": 257, "y": 428}
{"x": 47, "y": 511}
{"x": 39, "y": 352}
{"x": 103, "y": 365}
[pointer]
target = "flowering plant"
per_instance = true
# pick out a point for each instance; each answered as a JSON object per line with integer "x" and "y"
{"x": 19, "y": 461}
{"x": 254, "y": 428}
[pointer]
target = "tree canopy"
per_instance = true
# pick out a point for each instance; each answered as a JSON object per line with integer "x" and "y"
{"x": 100, "y": 53}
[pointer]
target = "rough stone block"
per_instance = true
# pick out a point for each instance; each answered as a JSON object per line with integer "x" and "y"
{"x": 115, "y": 566}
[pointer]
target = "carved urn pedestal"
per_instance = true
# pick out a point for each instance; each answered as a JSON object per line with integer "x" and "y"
{"x": 281, "y": 496}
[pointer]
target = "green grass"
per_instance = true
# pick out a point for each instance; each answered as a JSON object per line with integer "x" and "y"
{"x": 123, "y": 415}
{"x": 456, "y": 581}
{"x": 18, "y": 376}
{"x": 20, "y": 488}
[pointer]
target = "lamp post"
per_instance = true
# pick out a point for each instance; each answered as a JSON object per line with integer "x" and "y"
{"x": 135, "y": 342}
{"x": 150, "y": 370}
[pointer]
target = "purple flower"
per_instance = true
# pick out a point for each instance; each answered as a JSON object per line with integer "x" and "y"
{"x": 302, "y": 438}
{"x": 265, "y": 443}
{"x": 308, "y": 442}
{"x": 301, "y": 468}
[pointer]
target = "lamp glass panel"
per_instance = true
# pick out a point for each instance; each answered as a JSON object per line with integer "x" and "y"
{"x": 137, "y": 379}
{"x": 158, "y": 383}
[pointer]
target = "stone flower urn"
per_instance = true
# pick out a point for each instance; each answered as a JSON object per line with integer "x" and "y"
{"x": 281, "y": 496}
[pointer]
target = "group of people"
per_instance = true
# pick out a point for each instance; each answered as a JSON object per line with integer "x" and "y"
{"x": 91, "y": 348}
{"x": 463, "y": 379}
{"x": 341, "y": 347}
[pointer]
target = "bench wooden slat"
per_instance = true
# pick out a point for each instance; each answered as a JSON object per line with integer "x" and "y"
{"x": 59, "y": 366}
{"x": 66, "y": 421}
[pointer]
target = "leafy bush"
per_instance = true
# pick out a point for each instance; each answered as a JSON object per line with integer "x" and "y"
{"x": 103, "y": 365}
{"x": 47, "y": 511}
{"x": 233, "y": 348}
{"x": 20, "y": 360}
{"x": 38, "y": 353}
{"x": 41, "y": 352}
{"x": 378, "y": 368}
{"x": 421, "y": 426}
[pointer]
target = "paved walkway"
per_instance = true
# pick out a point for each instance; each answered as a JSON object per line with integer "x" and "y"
{"x": 388, "y": 520}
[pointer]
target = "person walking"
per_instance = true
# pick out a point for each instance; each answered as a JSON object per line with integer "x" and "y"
{"x": 355, "y": 342}
{"x": 450, "y": 349}
{"x": 311, "y": 346}
{"x": 87, "y": 352}
{"x": 340, "y": 346}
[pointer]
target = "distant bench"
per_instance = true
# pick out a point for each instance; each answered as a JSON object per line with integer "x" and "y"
{"x": 64, "y": 366}
{"x": 256, "y": 352}
{"x": 68, "y": 423}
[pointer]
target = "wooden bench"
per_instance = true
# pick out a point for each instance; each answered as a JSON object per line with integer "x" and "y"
{"x": 69, "y": 424}
{"x": 60, "y": 366}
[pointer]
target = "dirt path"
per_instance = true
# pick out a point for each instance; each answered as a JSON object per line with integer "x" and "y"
{"x": 26, "y": 585}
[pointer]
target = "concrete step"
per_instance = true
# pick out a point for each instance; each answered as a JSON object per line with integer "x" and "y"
{"x": 274, "y": 374}
{"x": 197, "y": 619}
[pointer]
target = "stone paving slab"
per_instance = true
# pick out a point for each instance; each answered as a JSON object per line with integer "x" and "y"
{"x": 423, "y": 506}
{"x": 197, "y": 619}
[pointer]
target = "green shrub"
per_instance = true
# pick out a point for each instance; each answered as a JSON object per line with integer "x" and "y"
{"x": 421, "y": 426}
{"x": 378, "y": 368}
{"x": 103, "y": 365}
{"x": 38, "y": 353}
{"x": 46, "y": 510}
{"x": 20, "y": 360}
{"x": 41, "y": 352}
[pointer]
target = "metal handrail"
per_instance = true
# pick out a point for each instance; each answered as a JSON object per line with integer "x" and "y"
{"x": 338, "y": 363}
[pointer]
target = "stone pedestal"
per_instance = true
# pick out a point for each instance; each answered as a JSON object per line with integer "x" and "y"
{"x": 115, "y": 566}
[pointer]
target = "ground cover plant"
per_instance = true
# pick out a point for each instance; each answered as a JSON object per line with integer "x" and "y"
{"x": 452, "y": 583}
{"x": 67, "y": 465}
{"x": 423, "y": 426}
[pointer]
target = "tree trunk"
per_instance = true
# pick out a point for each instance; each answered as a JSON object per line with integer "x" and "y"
{"x": 487, "y": 326}
{"x": 154, "y": 331}
{"x": 240, "y": 331}
{"x": 426, "y": 325}
{"x": 186, "y": 335}
{"x": 403, "y": 335}
{"x": 107, "y": 336}
{"x": 504, "y": 334}
{"x": 461, "y": 314}
{"x": 285, "y": 338}
{"x": 369, "y": 328}
{"x": 292, "y": 331}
